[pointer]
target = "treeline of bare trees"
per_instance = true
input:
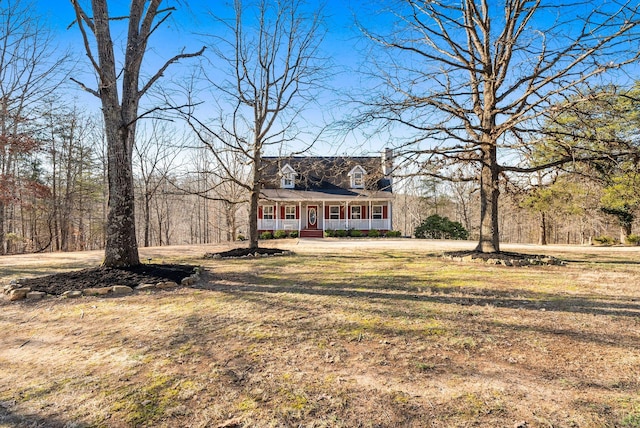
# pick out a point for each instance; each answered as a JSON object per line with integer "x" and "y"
{"x": 57, "y": 198}
{"x": 577, "y": 219}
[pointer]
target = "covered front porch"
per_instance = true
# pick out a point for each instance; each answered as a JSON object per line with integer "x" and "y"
{"x": 312, "y": 218}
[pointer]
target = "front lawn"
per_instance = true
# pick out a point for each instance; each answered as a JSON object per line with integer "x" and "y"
{"x": 375, "y": 337}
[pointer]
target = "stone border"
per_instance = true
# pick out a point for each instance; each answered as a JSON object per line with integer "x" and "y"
{"x": 14, "y": 292}
{"x": 526, "y": 260}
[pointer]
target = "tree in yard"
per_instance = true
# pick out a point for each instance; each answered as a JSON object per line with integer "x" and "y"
{"x": 273, "y": 70}
{"x": 469, "y": 83}
{"x": 120, "y": 108}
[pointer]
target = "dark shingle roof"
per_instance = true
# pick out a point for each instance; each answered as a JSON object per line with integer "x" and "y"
{"x": 328, "y": 175}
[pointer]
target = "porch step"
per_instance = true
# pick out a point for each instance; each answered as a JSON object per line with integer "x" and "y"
{"x": 309, "y": 233}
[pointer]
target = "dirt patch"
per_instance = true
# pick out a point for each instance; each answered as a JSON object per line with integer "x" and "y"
{"x": 102, "y": 277}
{"x": 244, "y": 252}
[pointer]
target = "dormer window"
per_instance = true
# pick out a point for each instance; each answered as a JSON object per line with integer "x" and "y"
{"x": 357, "y": 177}
{"x": 288, "y": 177}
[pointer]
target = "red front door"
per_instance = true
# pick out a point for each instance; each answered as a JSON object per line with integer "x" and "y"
{"x": 312, "y": 217}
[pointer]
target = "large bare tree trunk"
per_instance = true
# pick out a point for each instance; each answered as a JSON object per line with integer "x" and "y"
{"x": 254, "y": 198}
{"x": 543, "y": 230}
{"x": 121, "y": 245}
{"x": 489, "y": 240}
{"x": 2, "y": 233}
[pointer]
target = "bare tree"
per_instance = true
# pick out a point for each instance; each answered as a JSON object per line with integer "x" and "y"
{"x": 120, "y": 110}
{"x": 70, "y": 161}
{"x": 156, "y": 154}
{"x": 273, "y": 70}
{"x": 468, "y": 82}
{"x": 30, "y": 70}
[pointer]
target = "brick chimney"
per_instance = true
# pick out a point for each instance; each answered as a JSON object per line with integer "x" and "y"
{"x": 387, "y": 162}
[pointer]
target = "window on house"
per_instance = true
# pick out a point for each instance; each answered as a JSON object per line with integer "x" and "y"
{"x": 288, "y": 177}
{"x": 334, "y": 212}
{"x": 357, "y": 175}
{"x": 290, "y": 212}
{"x": 355, "y": 212}
{"x": 358, "y": 179}
{"x": 267, "y": 212}
{"x": 376, "y": 212}
{"x": 288, "y": 181}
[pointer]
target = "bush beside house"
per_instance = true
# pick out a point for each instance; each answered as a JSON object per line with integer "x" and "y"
{"x": 437, "y": 227}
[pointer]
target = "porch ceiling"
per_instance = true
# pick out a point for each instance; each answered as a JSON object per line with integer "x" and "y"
{"x": 306, "y": 195}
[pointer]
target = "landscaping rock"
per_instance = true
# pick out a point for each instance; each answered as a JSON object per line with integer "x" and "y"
{"x": 122, "y": 289}
{"x": 504, "y": 258}
{"x": 18, "y": 293}
{"x": 35, "y": 295}
{"x": 98, "y": 291}
{"x": 166, "y": 285}
{"x": 190, "y": 280}
{"x": 143, "y": 287}
{"x": 72, "y": 294}
{"x": 11, "y": 286}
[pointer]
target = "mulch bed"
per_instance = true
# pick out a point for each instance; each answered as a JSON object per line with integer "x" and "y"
{"x": 98, "y": 277}
{"x": 244, "y": 252}
{"x": 103, "y": 277}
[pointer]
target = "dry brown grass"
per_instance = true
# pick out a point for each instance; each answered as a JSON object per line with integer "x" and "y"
{"x": 358, "y": 333}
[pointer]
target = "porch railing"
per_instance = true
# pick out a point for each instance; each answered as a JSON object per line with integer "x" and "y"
{"x": 278, "y": 224}
{"x": 362, "y": 224}
{"x": 329, "y": 224}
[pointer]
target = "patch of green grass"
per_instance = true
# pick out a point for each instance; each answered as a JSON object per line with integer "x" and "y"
{"x": 141, "y": 404}
{"x": 424, "y": 367}
{"x": 632, "y": 420}
{"x": 44, "y": 391}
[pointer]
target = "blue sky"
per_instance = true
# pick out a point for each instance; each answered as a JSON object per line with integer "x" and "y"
{"x": 342, "y": 44}
{"x": 185, "y": 30}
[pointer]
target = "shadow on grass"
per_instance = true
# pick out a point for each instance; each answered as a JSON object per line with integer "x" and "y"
{"x": 601, "y": 261}
{"x": 399, "y": 302}
{"x": 17, "y": 420}
{"x": 429, "y": 292}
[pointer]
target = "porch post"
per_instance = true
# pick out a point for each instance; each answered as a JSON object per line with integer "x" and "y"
{"x": 277, "y": 216}
{"x": 299, "y": 217}
{"x": 324, "y": 220}
{"x": 346, "y": 215}
{"x": 369, "y": 215}
{"x": 389, "y": 225}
